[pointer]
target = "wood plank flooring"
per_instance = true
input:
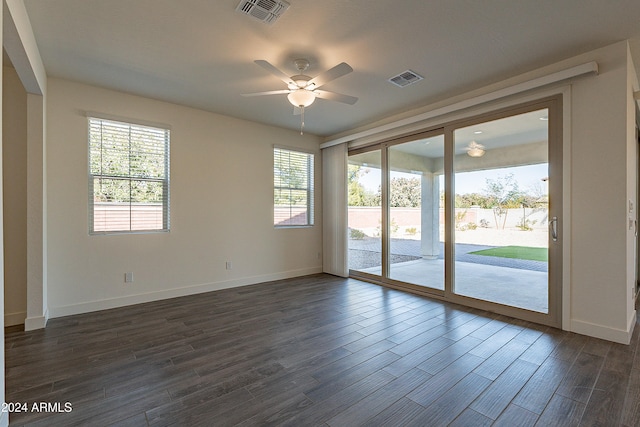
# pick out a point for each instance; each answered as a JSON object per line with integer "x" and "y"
{"x": 317, "y": 350}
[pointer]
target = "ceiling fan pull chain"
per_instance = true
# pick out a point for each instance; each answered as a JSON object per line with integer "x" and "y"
{"x": 302, "y": 120}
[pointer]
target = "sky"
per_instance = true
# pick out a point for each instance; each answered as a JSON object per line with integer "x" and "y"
{"x": 472, "y": 182}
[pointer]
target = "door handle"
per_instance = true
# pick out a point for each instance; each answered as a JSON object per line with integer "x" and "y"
{"x": 553, "y": 225}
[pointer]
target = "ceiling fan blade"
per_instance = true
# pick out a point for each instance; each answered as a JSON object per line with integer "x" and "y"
{"x": 271, "y": 92}
{"x": 338, "y": 71}
{"x": 333, "y": 96}
{"x": 273, "y": 70}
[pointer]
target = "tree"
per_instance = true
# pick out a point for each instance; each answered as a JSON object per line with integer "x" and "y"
{"x": 357, "y": 194}
{"x": 356, "y": 191}
{"x": 503, "y": 194}
{"x": 472, "y": 199}
{"x": 405, "y": 193}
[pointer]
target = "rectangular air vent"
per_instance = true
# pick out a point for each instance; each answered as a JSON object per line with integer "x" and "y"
{"x": 267, "y": 11}
{"x": 405, "y": 78}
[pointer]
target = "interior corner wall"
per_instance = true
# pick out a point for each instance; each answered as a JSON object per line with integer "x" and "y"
{"x": 14, "y": 156}
{"x": 221, "y": 207}
{"x": 37, "y": 311}
{"x": 599, "y": 200}
{"x": 633, "y": 85}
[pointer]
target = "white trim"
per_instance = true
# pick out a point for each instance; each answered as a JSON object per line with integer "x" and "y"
{"x": 566, "y": 205}
{"x": 604, "y": 332}
{"x": 33, "y": 323}
{"x": 12, "y": 319}
{"x": 105, "y": 304}
{"x": 292, "y": 148}
{"x": 126, "y": 120}
{"x": 579, "y": 70}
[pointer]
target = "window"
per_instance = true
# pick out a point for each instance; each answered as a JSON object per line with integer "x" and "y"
{"x": 128, "y": 177}
{"x": 292, "y": 188}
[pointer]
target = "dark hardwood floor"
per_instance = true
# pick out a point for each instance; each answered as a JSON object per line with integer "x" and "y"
{"x": 317, "y": 350}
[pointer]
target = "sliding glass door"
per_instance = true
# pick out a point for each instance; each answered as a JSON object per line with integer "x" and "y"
{"x": 416, "y": 212}
{"x": 469, "y": 212}
{"x": 364, "y": 189}
{"x": 501, "y": 211}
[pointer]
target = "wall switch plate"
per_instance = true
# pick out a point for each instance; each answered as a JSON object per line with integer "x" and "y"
{"x": 228, "y": 265}
{"x": 128, "y": 277}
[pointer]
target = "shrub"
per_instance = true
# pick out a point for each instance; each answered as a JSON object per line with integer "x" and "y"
{"x": 356, "y": 234}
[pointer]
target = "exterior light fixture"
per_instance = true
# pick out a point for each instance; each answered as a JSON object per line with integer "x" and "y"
{"x": 475, "y": 150}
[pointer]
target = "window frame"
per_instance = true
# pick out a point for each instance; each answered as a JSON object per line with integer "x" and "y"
{"x": 130, "y": 177}
{"x": 309, "y": 188}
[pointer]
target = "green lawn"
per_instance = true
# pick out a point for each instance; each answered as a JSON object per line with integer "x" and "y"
{"x": 517, "y": 252}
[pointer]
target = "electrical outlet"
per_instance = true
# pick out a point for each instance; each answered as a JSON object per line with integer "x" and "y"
{"x": 229, "y": 266}
{"x": 128, "y": 277}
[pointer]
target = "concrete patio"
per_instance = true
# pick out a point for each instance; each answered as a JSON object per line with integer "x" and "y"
{"x": 513, "y": 282}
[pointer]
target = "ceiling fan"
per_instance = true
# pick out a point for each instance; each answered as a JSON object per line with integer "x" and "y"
{"x": 302, "y": 89}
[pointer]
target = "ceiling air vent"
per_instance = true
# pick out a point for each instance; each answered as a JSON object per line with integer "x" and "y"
{"x": 405, "y": 78}
{"x": 267, "y": 11}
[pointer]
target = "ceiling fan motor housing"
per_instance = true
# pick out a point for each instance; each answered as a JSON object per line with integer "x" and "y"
{"x": 300, "y": 81}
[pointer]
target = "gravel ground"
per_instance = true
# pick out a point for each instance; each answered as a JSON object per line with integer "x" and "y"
{"x": 359, "y": 259}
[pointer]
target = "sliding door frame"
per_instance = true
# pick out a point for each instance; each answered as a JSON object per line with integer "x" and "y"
{"x": 357, "y": 274}
{"x": 424, "y": 290}
{"x": 555, "y": 159}
{"x": 555, "y": 156}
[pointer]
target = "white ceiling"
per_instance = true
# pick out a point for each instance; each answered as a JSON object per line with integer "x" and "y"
{"x": 200, "y": 53}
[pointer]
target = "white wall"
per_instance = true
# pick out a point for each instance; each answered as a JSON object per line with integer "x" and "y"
{"x": 14, "y": 167}
{"x": 221, "y": 207}
{"x": 632, "y": 183}
{"x": 600, "y": 191}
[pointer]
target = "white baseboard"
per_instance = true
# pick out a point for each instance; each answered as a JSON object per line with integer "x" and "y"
{"x": 12, "y": 319}
{"x": 86, "y": 307}
{"x": 604, "y": 332}
{"x": 33, "y": 323}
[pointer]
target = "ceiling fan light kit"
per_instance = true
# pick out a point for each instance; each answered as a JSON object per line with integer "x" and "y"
{"x": 301, "y": 98}
{"x": 302, "y": 89}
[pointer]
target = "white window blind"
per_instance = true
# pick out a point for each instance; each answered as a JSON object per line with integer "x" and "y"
{"x": 128, "y": 177}
{"x": 292, "y": 188}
